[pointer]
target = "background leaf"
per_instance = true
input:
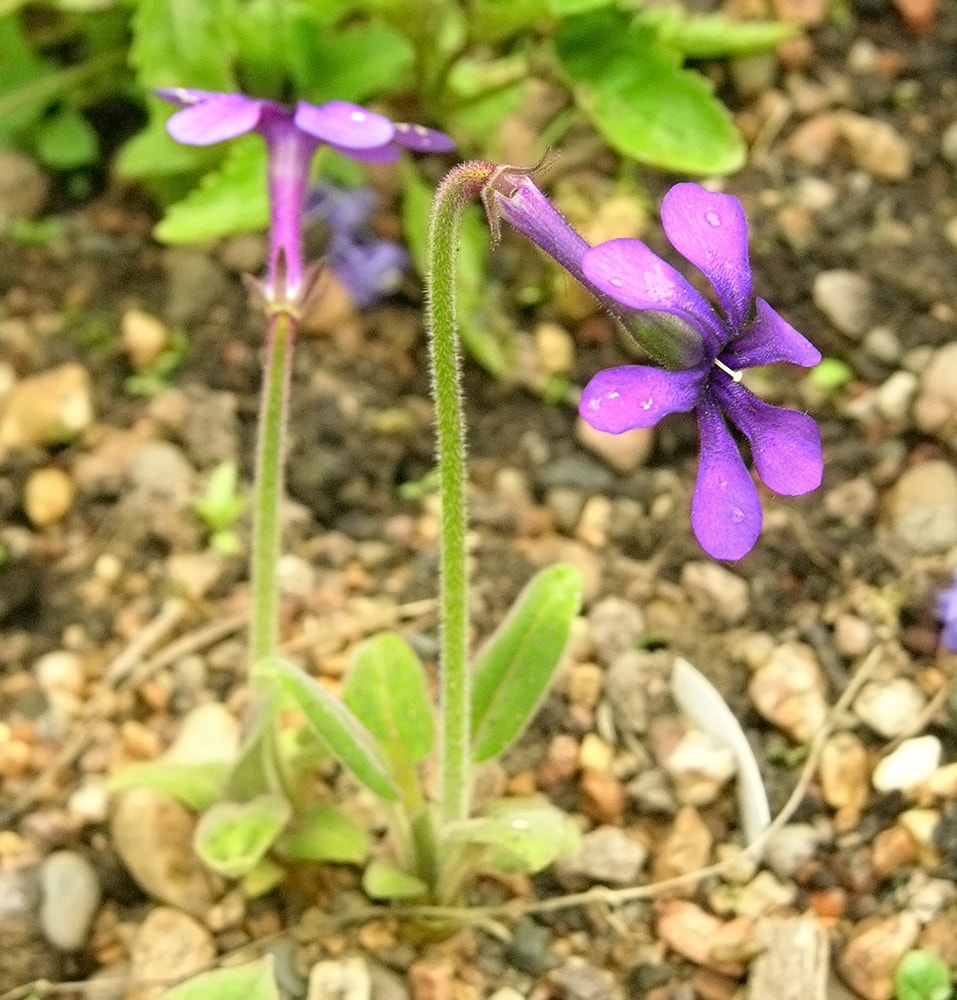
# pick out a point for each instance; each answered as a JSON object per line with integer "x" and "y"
{"x": 382, "y": 880}
{"x": 346, "y": 738}
{"x": 714, "y": 36}
{"x": 513, "y": 670}
{"x": 197, "y": 786}
{"x": 633, "y": 87}
{"x": 324, "y": 833}
{"x": 233, "y": 837}
{"x": 251, "y": 981}
{"x": 385, "y": 690}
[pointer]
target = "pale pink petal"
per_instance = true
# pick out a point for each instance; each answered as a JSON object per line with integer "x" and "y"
{"x": 221, "y": 116}
{"x": 343, "y": 124}
{"x": 421, "y": 139}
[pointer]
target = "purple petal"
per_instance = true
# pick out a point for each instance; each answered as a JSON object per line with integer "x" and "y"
{"x": 620, "y": 399}
{"x": 388, "y": 153}
{"x": 221, "y": 116}
{"x": 421, "y": 139}
{"x": 711, "y": 231}
{"x": 343, "y": 124}
{"x": 185, "y": 96}
{"x": 770, "y": 338}
{"x": 634, "y": 275}
{"x": 785, "y": 444}
{"x": 725, "y": 509}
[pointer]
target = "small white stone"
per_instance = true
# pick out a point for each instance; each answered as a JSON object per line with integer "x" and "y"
{"x": 889, "y": 707}
{"x": 699, "y": 766}
{"x": 909, "y": 765}
{"x": 340, "y": 979}
{"x": 715, "y": 589}
{"x": 845, "y": 298}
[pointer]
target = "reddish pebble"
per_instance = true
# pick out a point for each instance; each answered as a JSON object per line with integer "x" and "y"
{"x": 603, "y": 796}
{"x": 829, "y": 904}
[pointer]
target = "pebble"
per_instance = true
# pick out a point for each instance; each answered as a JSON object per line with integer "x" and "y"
{"x": 608, "y": 855}
{"x": 894, "y": 396}
{"x": 615, "y": 626}
{"x": 810, "y": 13}
{"x": 908, "y": 765}
{"x": 24, "y": 187}
{"x": 789, "y": 691}
{"x": 592, "y": 527}
{"x": 143, "y": 337}
{"x": 555, "y": 348}
{"x": 208, "y": 733}
{"x": 340, "y": 979}
{"x": 870, "y": 956}
{"x": 703, "y": 938}
{"x": 584, "y": 685}
{"x": 893, "y": 849}
{"x": 529, "y": 949}
{"x": 624, "y": 452}
{"x": 603, "y": 796}
{"x": 875, "y": 146}
{"x": 50, "y": 408}
{"x": 70, "y": 894}
{"x": 195, "y": 284}
{"x": 716, "y": 590}
{"x": 922, "y": 825}
{"x": 791, "y": 847}
{"x": 699, "y": 766}
{"x": 211, "y": 430}
{"x": 167, "y": 947}
{"x": 922, "y": 508}
{"x": 889, "y": 708}
{"x": 578, "y": 980}
{"x": 89, "y": 802}
{"x": 845, "y": 298}
{"x": 926, "y": 897}
{"x": 153, "y": 835}
{"x": 161, "y": 470}
{"x": 935, "y": 410}
{"x": 686, "y": 847}
{"x": 853, "y": 637}
{"x": 48, "y": 496}
{"x": 844, "y": 773}
{"x": 560, "y": 763}
{"x": 812, "y": 143}
{"x": 943, "y": 782}
{"x": 918, "y": 15}
{"x": 636, "y": 686}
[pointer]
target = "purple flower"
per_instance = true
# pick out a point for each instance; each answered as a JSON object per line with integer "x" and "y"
{"x": 710, "y": 231}
{"x": 947, "y": 613}
{"x": 292, "y": 137}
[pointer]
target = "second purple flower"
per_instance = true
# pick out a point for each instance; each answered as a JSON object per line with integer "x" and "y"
{"x": 710, "y": 231}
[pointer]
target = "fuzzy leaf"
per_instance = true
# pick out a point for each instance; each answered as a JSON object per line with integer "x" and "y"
{"x": 384, "y": 881}
{"x": 714, "y": 36}
{"x": 633, "y": 87}
{"x": 20, "y": 70}
{"x": 335, "y": 726}
{"x": 197, "y": 786}
{"x": 230, "y": 200}
{"x": 385, "y": 690}
{"x": 233, "y": 837}
{"x": 250, "y": 981}
{"x": 511, "y": 673}
{"x": 520, "y": 836}
{"x": 66, "y": 140}
{"x": 922, "y": 975}
{"x": 325, "y": 834}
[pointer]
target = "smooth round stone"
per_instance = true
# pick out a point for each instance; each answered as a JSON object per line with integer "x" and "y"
{"x": 70, "y": 894}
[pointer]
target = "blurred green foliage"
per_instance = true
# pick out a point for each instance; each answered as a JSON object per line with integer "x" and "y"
{"x": 72, "y": 70}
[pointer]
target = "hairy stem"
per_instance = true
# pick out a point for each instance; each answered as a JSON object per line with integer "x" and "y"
{"x": 463, "y": 183}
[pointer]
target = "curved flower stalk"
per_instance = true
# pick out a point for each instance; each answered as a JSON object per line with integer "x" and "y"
{"x": 710, "y": 231}
{"x": 292, "y": 136}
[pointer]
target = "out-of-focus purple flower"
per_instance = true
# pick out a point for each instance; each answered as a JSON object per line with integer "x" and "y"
{"x": 368, "y": 266}
{"x": 947, "y": 613}
{"x": 292, "y": 137}
{"x": 710, "y": 231}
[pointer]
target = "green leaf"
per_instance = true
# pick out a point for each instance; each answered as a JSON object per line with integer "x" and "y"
{"x": 197, "y": 786}
{"x": 494, "y": 20}
{"x": 180, "y": 42}
{"x": 349, "y": 64}
{"x": 521, "y": 836}
{"x": 566, "y": 8}
{"x": 511, "y": 673}
{"x": 19, "y": 68}
{"x": 714, "y": 36}
{"x": 220, "y": 505}
{"x": 325, "y": 834}
{"x": 922, "y": 975}
{"x": 250, "y": 981}
{"x": 384, "y": 881}
{"x": 335, "y": 726}
{"x": 152, "y": 153}
{"x": 386, "y": 691}
{"x": 233, "y": 837}
{"x": 634, "y": 89}
{"x": 233, "y": 199}
{"x": 66, "y": 140}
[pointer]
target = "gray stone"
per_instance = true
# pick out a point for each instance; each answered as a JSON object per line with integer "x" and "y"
{"x": 615, "y": 626}
{"x": 889, "y": 707}
{"x": 195, "y": 283}
{"x": 790, "y": 848}
{"x": 636, "y": 685}
{"x": 845, "y": 298}
{"x": 608, "y": 855}
{"x": 167, "y": 947}
{"x": 70, "y": 895}
{"x": 716, "y": 590}
{"x": 23, "y": 186}
{"x": 922, "y": 511}
{"x": 580, "y": 981}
